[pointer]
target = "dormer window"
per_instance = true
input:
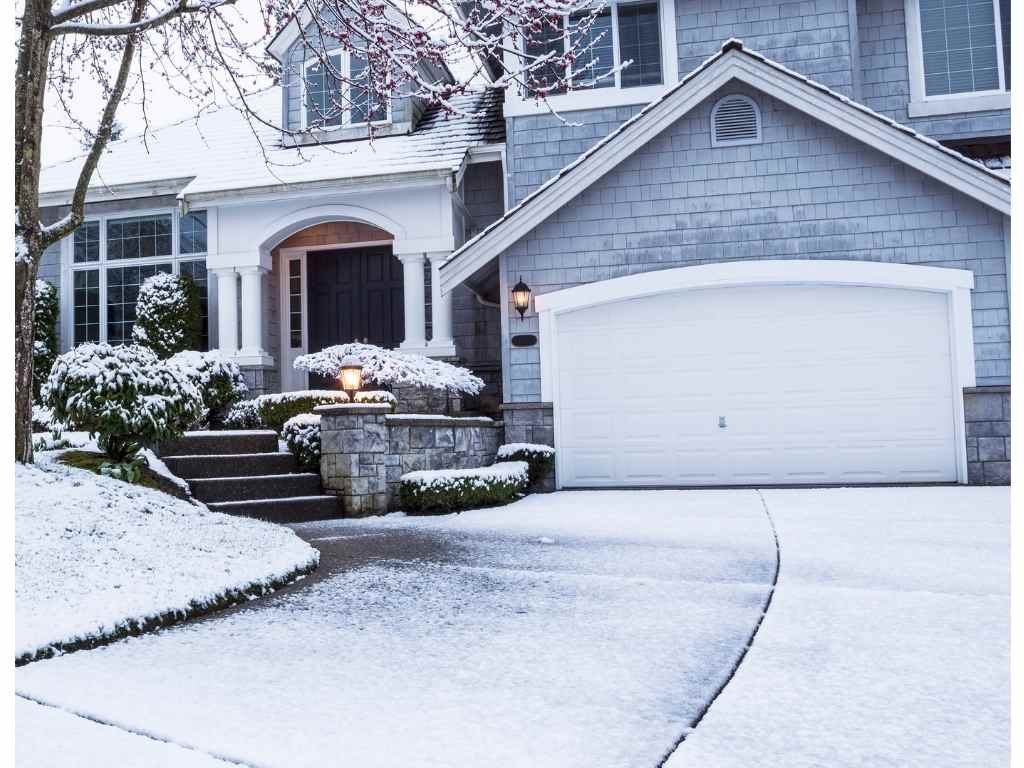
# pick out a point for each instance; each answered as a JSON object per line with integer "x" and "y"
{"x": 638, "y": 31}
{"x": 338, "y": 92}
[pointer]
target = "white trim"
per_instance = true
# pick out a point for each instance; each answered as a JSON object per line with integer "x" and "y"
{"x": 517, "y": 103}
{"x": 301, "y": 218}
{"x": 733, "y": 64}
{"x": 104, "y": 193}
{"x": 956, "y": 284}
{"x": 922, "y": 105}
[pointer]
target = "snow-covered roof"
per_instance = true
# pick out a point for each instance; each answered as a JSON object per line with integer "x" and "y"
{"x": 1000, "y": 164}
{"x": 898, "y": 140}
{"x": 220, "y": 151}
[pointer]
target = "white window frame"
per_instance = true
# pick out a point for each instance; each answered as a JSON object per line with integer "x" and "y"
{"x": 69, "y": 267}
{"x": 922, "y": 105}
{"x": 344, "y": 57}
{"x": 517, "y": 103}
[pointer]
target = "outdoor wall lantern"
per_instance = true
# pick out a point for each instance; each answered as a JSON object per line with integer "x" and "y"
{"x": 351, "y": 375}
{"x": 521, "y": 297}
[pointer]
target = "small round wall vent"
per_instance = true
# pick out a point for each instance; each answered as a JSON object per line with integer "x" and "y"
{"x": 735, "y": 120}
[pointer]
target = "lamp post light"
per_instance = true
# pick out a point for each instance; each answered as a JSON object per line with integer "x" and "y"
{"x": 351, "y": 376}
{"x": 521, "y": 297}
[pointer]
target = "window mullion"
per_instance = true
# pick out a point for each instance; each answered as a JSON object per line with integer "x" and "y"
{"x": 1000, "y": 65}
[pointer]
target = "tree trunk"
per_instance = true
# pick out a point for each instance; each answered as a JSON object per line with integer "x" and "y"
{"x": 24, "y": 308}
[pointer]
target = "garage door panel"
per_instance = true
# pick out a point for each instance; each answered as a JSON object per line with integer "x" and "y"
{"x": 817, "y": 384}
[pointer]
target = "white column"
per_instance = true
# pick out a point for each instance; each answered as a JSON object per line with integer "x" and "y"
{"x": 227, "y": 311}
{"x": 415, "y": 311}
{"x": 441, "y": 342}
{"x": 252, "y": 315}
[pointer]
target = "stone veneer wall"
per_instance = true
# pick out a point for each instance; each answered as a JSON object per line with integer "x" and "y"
{"x": 531, "y": 423}
{"x": 413, "y": 399}
{"x": 987, "y": 417}
{"x": 365, "y": 450}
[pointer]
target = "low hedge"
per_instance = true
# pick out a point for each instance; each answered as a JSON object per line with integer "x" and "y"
{"x": 539, "y": 457}
{"x": 272, "y": 411}
{"x": 244, "y": 414}
{"x": 447, "y": 490}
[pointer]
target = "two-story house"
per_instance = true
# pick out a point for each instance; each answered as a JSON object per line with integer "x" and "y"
{"x": 777, "y": 261}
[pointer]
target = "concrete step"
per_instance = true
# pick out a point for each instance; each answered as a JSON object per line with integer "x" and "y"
{"x": 255, "y": 487}
{"x": 293, "y": 510}
{"x": 232, "y": 464}
{"x": 227, "y": 441}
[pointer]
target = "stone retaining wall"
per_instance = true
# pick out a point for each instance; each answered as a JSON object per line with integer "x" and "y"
{"x": 365, "y": 449}
{"x": 531, "y": 423}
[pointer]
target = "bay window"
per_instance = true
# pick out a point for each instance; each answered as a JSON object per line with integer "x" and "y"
{"x": 110, "y": 257}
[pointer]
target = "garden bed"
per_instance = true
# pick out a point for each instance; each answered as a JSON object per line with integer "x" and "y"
{"x": 97, "y": 559}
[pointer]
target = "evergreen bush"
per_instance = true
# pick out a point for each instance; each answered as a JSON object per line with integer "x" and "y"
{"x": 168, "y": 315}
{"x": 447, "y": 490}
{"x": 220, "y": 382}
{"x": 44, "y": 325}
{"x": 302, "y": 436}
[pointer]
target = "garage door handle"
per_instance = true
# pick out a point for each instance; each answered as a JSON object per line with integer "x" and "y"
{"x": 721, "y": 422}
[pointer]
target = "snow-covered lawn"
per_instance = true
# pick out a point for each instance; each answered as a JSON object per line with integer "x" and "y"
{"x": 580, "y": 629}
{"x": 94, "y": 555}
{"x": 887, "y": 640}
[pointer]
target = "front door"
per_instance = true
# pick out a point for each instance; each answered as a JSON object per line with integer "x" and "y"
{"x": 355, "y": 294}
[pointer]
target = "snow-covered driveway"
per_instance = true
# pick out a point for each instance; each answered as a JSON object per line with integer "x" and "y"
{"x": 587, "y": 629}
{"x": 581, "y": 629}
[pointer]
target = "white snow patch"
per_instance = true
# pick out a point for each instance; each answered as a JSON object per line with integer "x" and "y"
{"x": 887, "y": 641}
{"x": 93, "y": 553}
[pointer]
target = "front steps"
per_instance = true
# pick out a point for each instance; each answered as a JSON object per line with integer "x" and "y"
{"x": 241, "y": 472}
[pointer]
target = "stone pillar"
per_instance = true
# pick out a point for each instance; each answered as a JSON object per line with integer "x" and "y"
{"x": 532, "y": 423}
{"x": 415, "y": 309}
{"x": 441, "y": 342}
{"x": 987, "y": 418}
{"x": 353, "y": 456}
{"x": 227, "y": 311}
{"x": 252, "y": 313}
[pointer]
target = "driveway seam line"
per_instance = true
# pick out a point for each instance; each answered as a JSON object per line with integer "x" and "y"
{"x": 750, "y": 640}
{"x": 141, "y": 734}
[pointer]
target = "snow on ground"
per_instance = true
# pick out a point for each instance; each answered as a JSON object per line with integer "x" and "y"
{"x": 887, "y": 640}
{"x": 575, "y": 629}
{"x": 50, "y": 738}
{"x": 92, "y": 553}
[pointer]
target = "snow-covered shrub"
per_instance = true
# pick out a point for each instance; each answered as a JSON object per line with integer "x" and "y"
{"x": 385, "y": 367}
{"x": 243, "y": 415}
{"x": 44, "y": 331}
{"x": 276, "y": 409}
{"x": 539, "y": 457}
{"x": 220, "y": 382}
{"x": 168, "y": 315}
{"x": 302, "y": 436}
{"x": 446, "y": 490}
{"x": 125, "y": 395}
{"x": 377, "y": 396}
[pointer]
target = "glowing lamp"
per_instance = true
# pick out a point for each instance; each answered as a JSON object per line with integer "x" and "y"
{"x": 521, "y": 297}
{"x": 351, "y": 375}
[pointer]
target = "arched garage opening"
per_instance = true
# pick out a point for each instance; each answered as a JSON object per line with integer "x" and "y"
{"x": 760, "y": 373}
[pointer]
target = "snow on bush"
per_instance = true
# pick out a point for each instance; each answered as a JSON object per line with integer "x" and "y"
{"x": 275, "y": 409}
{"x": 220, "y": 382}
{"x": 96, "y": 559}
{"x": 302, "y": 436}
{"x": 540, "y": 457}
{"x": 44, "y": 333}
{"x": 377, "y": 396}
{"x": 124, "y": 395}
{"x": 386, "y": 368}
{"x": 445, "y": 490}
{"x": 168, "y": 314}
{"x": 243, "y": 415}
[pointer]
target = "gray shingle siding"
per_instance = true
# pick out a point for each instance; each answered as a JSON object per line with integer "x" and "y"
{"x": 806, "y": 192}
{"x": 886, "y": 77}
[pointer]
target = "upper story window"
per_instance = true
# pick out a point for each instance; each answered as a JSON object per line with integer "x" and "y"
{"x": 641, "y": 32}
{"x": 959, "y": 55}
{"x": 338, "y": 91}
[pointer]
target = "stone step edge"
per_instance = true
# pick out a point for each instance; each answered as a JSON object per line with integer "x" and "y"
{"x": 227, "y": 455}
{"x": 277, "y": 475}
{"x": 281, "y": 500}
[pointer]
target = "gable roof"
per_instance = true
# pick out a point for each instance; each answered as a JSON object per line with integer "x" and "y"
{"x": 732, "y": 62}
{"x": 220, "y": 153}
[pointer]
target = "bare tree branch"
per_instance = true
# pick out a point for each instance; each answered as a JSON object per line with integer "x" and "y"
{"x": 120, "y": 30}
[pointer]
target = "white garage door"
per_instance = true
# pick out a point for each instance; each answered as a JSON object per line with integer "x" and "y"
{"x": 757, "y": 385}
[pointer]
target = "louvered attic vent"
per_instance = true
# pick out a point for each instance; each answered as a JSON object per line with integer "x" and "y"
{"x": 735, "y": 120}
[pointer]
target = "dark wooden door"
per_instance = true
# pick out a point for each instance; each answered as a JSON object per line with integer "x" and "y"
{"x": 355, "y": 294}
